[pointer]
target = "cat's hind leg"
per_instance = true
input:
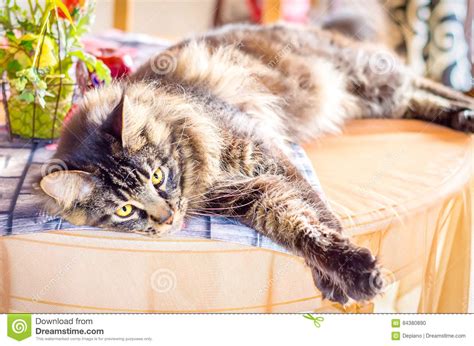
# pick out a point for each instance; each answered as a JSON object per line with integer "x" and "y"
{"x": 397, "y": 93}
{"x": 431, "y": 101}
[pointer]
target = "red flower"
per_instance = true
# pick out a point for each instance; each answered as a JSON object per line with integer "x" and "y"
{"x": 71, "y": 6}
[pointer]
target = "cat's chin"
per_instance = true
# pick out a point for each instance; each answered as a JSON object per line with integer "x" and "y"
{"x": 157, "y": 233}
{"x": 164, "y": 230}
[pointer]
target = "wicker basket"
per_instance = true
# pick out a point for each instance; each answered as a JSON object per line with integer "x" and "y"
{"x": 30, "y": 120}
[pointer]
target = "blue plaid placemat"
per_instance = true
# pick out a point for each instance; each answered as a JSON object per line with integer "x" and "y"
{"x": 20, "y": 211}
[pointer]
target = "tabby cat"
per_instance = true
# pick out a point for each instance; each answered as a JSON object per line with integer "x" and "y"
{"x": 204, "y": 128}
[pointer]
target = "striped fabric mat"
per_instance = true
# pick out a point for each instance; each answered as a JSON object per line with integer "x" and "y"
{"x": 20, "y": 211}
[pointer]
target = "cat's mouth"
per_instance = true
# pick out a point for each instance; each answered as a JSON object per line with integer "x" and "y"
{"x": 174, "y": 226}
{"x": 161, "y": 230}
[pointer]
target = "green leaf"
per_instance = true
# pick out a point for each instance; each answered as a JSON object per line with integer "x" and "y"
{"x": 11, "y": 36}
{"x": 94, "y": 64}
{"x": 27, "y": 44}
{"x": 90, "y": 60}
{"x": 42, "y": 85}
{"x": 30, "y": 74}
{"x": 13, "y": 66}
{"x": 27, "y": 96}
{"x": 103, "y": 72}
{"x": 19, "y": 83}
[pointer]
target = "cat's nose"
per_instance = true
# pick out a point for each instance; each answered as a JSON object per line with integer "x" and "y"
{"x": 169, "y": 220}
{"x": 165, "y": 217}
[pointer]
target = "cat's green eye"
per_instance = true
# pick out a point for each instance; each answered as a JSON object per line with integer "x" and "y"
{"x": 125, "y": 210}
{"x": 157, "y": 177}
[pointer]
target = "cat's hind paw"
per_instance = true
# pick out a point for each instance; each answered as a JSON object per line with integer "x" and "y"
{"x": 463, "y": 121}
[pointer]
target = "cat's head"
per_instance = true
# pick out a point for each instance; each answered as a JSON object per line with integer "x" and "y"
{"x": 128, "y": 161}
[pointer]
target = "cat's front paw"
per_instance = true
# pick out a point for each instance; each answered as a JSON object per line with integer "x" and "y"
{"x": 347, "y": 272}
{"x": 463, "y": 121}
{"x": 359, "y": 275}
{"x": 341, "y": 270}
{"x": 328, "y": 288}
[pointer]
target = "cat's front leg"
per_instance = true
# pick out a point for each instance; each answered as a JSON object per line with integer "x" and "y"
{"x": 280, "y": 209}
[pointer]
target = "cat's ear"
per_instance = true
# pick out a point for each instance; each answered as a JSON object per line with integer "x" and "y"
{"x": 67, "y": 187}
{"x": 123, "y": 126}
{"x": 117, "y": 118}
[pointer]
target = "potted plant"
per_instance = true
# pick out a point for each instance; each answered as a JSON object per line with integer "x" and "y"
{"x": 40, "y": 48}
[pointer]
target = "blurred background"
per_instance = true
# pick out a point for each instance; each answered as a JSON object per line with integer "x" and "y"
{"x": 435, "y": 37}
